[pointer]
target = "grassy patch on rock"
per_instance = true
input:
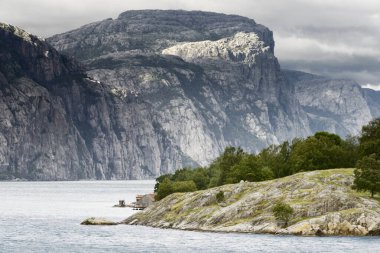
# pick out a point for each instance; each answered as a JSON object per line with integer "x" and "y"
{"x": 318, "y": 198}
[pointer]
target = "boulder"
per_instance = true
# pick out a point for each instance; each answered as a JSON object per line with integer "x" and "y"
{"x": 97, "y": 221}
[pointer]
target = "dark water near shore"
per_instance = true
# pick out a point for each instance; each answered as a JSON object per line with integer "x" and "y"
{"x": 45, "y": 217}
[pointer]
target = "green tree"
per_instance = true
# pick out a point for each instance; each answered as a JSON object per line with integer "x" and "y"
{"x": 165, "y": 188}
{"x": 201, "y": 178}
{"x": 160, "y": 179}
{"x": 222, "y": 166}
{"x": 370, "y": 139}
{"x": 321, "y": 151}
{"x": 352, "y": 154}
{"x": 283, "y": 212}
{"x": 276, "y": 158}
{"x": 184, "y": 186}
{"x": 183, "y": 174}
{"x": 249, "y": 169}
{"x": 367, "y": 175}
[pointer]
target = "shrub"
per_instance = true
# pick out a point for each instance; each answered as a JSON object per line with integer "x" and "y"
{"x": 220, "y": 196}
{"x": 283, "y": 212}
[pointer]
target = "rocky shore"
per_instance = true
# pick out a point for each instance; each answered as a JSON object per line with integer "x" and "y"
{"x": 98, "y": 221}
{"x": 323, "y": 201}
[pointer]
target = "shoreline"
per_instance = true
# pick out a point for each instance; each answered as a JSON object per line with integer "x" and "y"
{"x": 323, "y": 201}
{"x": 224, "y": 232}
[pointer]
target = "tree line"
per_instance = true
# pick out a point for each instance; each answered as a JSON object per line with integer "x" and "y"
{"x": 321, "y": 151}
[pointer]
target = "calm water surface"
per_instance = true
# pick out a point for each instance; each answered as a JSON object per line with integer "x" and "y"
{"x": 45, "y": 217}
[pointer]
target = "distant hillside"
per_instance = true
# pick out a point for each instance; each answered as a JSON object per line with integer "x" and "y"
{"x": 335, "y": 105}
{"x": 373, "y": 98}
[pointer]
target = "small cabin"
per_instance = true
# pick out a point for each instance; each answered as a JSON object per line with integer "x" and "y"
{"x": 143, "y": 201}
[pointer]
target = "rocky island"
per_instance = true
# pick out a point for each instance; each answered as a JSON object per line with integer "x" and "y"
{"x": 324, "y": 203}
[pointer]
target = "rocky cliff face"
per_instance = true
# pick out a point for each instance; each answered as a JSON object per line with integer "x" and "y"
{"x": 156, "y": 91}
{"x": 224, "y": 87}
{"x": 323, "y": 203}
{"x": 151, "y": 31}
{"x": 213, "y": 80}
{"x": 373, "y": 99}
{"x": 59, "y": 124}
{"x": 334, "y": 105}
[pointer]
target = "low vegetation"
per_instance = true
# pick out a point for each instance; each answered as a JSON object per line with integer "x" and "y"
{"x": 282, "y": 212}
{"x": 318, "y": 152}
{"x": 220, "y": 196}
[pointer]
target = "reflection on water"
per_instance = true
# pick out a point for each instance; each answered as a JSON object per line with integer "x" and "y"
{"x": 45, "y": 217}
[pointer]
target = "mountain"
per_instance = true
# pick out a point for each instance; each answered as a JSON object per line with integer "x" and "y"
{"x": 59, "y": 124}
{"x": 235, "y": 95}
{"x": 373, "y": 99}
{"x": 155, "y": 91}
{"x": 151, "y": 31}
{"x": 334, "y": 105}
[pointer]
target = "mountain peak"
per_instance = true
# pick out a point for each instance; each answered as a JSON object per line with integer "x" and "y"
{"x": 24, "y": 54}
{"x": 194, "y": 15}
{"x": 154, "y": 30}
{"x": 18, "y": 32}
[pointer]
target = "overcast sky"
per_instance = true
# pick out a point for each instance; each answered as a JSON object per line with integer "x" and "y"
{"x": 338, "y": 38}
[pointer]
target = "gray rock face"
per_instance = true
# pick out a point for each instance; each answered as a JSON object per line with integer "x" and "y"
{"x": 146, "y": 31}
{"x": 156, "y": 91}
{"x": 334, "y": 105}
{"x": 59, "y": 124}
{"x": 231, "y": 93}
{"x": 373, "y": 99}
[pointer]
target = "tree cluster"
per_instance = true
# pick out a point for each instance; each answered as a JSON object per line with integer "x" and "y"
{"x": 318, "y": 152}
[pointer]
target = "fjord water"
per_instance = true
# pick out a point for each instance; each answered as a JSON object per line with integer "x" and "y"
{"x": 45, "y": 217}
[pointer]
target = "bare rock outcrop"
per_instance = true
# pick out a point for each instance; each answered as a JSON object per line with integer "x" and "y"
{"x": 323, "y": 203}
{"x": 98, "y": 222}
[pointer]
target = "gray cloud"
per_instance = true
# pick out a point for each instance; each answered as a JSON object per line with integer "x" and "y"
{"x": 334, "y": 38}
{"x": 365, "y": 70}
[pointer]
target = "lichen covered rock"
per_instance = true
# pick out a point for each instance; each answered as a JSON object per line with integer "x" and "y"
{"x": 97, "y": 221}
{"x": 323, "y": 203}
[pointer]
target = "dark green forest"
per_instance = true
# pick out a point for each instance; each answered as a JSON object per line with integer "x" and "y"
{"x": 318, "y": 152}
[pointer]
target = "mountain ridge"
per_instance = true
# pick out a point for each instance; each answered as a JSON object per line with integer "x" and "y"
{"x": 63, "y": 125}
{"x": 131, "y": 112}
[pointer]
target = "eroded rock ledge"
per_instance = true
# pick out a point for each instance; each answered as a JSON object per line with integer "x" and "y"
{"x": 323, "y": 201}
{"x": 98, "y": 221}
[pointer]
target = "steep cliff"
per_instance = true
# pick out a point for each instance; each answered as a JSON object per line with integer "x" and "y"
{"x": 59, "y": 124}
{"x": 334, "y": 105}
{"x": 156, "y": 91}
{"x": 225, "y": 87}
{"x": 373, "y": 99}
{"x": 231, "y": 93}
{"x": 323, "y": 203}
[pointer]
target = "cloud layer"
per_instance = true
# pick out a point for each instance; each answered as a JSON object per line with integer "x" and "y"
{"x": 338, "y": 38}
